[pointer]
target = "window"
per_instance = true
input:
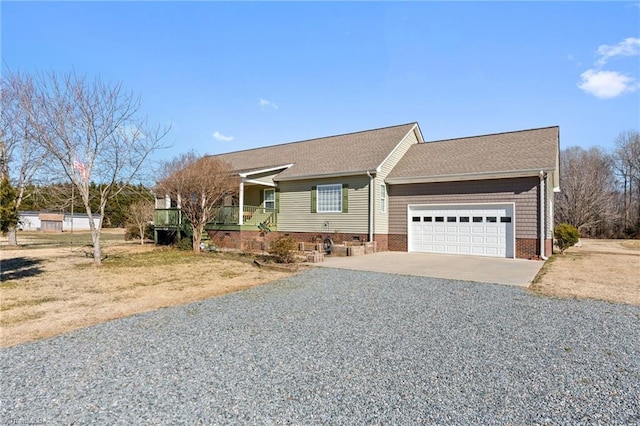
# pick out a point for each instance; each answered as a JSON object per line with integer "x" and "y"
{"x": 439, "y": 218}
{"x": 383, "y": 198}
{"x": 415, "y": 219}
{"x": 451, "y": 219}
{"x": 269, "y": 199}
{"x": 506, "y": 219}
{"x": 491, "y": 219}
{"x": 464, "y": 219}
{"x": 427, "y": 219}
{"x": 329, "y": 198}
{"x": 477, "y": 219}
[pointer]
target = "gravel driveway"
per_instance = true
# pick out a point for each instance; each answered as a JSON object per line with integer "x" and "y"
{"x": 335, "y": 346}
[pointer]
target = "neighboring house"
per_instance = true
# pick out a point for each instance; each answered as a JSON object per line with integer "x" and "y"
{"x": 487, "y": 195}
{"x": 55, "y": 222}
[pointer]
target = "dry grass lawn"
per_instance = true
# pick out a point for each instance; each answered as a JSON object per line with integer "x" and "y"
{"x": 49, "y": 287}
{"x": 598, "y": 269}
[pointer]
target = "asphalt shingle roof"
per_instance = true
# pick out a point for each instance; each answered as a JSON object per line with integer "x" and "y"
{"x": 534, "y": 149}
{"x": 342, "y": 154}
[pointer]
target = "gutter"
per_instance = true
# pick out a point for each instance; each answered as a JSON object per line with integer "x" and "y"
{"x": 325, "y": 175}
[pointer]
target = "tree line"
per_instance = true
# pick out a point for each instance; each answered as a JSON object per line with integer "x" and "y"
{"x": 600, "y": 190}
{"x": 62, "y": 197}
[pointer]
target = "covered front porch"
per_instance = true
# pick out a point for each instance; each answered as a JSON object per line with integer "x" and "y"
{"x": 253, "y": 209}
{"x": 226, "y": 216}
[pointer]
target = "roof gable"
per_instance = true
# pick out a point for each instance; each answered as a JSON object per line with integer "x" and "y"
{"x": 351, "y": 153}
{"x": 510, "y": 153}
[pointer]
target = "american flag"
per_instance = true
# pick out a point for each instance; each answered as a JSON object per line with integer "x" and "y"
{"x": 82, "y": 170}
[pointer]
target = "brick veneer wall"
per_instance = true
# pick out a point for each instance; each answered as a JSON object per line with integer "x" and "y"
{"x": 397, "y": 242}
{"x": 253, "y": 241}
{"x": 529, "y": 248}
{"x": 319, "y": 237}
{"x": 382, "y": 242}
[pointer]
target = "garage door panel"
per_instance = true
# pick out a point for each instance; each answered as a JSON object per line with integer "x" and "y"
{"x": 477, "y": 230}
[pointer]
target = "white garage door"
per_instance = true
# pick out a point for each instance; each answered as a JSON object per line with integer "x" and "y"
{"x": 482, "y": 230}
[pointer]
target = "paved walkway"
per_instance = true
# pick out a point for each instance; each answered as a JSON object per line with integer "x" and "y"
{"x": 516, "y": 272}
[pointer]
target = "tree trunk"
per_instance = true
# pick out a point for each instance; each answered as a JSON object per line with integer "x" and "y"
{"x": 141, "y": 235}
{"x": 97, "y": 250}
{"x": 197, "y": 237}
{"x": 13, "y": 237}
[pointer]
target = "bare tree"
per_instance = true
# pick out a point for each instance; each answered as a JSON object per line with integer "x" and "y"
{"x": 93, "y": 132}
{"x": 627, "y": 166}
{"x": 140, "y": 214}
{"x": 199, "y": 185}
{"x": 21, "y": 156}
{"x": 588, "y": 189}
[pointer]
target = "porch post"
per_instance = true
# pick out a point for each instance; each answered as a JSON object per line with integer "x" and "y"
{"x": 241, "y": 203}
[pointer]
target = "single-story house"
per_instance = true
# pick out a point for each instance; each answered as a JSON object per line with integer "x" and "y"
{"x": 55, "y": 222}
{"x": 489, "y": 195}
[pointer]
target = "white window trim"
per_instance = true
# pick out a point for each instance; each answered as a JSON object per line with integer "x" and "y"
{"x": 273, "y": 191}
{"x": 334, "y": 186}
{"x": 383, "y": 198}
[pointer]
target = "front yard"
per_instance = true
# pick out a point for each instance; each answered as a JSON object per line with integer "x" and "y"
{"x": 49, "y": 287}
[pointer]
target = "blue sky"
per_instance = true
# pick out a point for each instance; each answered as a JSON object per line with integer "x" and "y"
{"x": 231, "y": 76}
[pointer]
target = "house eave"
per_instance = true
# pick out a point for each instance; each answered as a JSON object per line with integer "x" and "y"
{"x": 270, "y": 169}
{"x": 466, "y": 176}
{"x": 325, "y": 175}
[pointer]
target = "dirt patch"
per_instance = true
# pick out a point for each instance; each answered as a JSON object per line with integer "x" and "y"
{"x": 48, "y": 290}
{"x": 596, "y": 269}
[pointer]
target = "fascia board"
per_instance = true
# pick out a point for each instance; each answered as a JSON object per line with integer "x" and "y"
{"x": 467, "y": 176}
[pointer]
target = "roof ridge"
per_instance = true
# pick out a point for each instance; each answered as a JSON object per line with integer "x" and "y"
{"x": 313, "y": 139}
{"x": 494, "y": 134}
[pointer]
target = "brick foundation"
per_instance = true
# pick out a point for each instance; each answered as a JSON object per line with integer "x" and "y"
{"x": 530, "y": 248}
{"x": 526, "y": 248}
{"x": 338, "y": 238}
{"x": 253, "y": 241}
{"x": 382, "y": 242}
{"x": 397, "y": 242}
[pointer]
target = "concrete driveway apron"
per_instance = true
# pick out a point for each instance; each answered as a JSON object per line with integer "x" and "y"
{"x": 516, "y": 272}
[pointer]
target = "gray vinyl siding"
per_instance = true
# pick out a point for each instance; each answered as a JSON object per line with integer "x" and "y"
{"x": 382, "y": 218}
{"x": 521, "y": 191}
{"x": 295, "y": 207}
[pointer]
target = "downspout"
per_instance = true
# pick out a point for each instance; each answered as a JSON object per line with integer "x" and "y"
{"x": 543, "y": 232}
{"x": 371, "y": 204}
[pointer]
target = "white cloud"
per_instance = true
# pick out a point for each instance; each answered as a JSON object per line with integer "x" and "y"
{"x": 220, "y": 137}
{"x": 609, "y": 84}
{"x": 628, "y": 47}
{"x": 267, "y": 103}
{"x": 606, "y": 84}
